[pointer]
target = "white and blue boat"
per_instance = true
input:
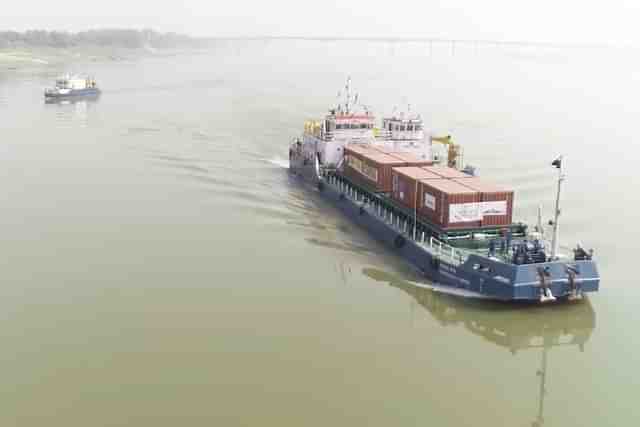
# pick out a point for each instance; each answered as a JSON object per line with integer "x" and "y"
{"x": 72, "y": 86}
{"x": 507, "y": 262}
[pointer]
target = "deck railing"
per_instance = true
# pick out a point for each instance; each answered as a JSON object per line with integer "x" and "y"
{"x": 399, "y": 222}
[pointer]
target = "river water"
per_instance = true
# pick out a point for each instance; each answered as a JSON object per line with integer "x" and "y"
{"x": 160, "y": 267}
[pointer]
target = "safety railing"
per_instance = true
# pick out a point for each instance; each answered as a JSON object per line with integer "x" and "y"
{"x": 399, "y": 221}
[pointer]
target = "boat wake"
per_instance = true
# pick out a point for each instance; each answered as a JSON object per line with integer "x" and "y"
{"x": 276, "y": 161}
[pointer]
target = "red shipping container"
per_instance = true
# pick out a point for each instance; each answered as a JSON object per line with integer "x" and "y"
{"x": 360, "y": 148}
{"x": 448, "y": 204}
{"x": 383, "y": 149}
{"x": 411, "y": 159}
{"x": 496, "y": 201}
{"x": 404, "y": 181}
{"x": 447, "y": 172}
{"x": 370, "y": 168}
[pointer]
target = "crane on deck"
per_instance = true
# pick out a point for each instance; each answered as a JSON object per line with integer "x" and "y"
{"x": 454, "y": 151}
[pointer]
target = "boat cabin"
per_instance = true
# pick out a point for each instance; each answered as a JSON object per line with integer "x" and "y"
{"x": 342, "y": 126}
{"x": 328, "y": 137}
{"x": 68, "y": 82}
{"x": 404, "y": 128}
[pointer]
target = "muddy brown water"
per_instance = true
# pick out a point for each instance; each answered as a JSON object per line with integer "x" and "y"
{"x": 160, "y": 267}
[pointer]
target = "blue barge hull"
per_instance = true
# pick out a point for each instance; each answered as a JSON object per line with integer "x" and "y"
{"x": 73, "y": 93}
{"x": 477, "y": 276}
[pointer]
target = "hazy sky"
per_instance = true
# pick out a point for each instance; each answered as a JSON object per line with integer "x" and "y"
{"x": 613, "y": 21}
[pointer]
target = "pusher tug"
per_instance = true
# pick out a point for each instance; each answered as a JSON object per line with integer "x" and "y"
{"x": 456, "y": 228}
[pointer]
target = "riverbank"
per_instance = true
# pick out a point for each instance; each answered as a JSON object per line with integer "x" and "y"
{"x": 35, "y": 59}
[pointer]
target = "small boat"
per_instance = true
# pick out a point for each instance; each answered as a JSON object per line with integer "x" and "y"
{"x": 72, "y": 86}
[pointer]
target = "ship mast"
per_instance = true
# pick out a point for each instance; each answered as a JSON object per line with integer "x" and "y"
{"x": 556, "y": 226}
{"x": 347, "y": 89}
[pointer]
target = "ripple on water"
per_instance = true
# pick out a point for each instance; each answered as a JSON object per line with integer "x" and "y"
{"x": 185, "y": 166}
{"x": 342, "y": 246}
{"x": 142, "y": 130}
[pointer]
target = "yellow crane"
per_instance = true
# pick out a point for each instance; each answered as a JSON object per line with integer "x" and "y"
{"x": 454, "y": 151}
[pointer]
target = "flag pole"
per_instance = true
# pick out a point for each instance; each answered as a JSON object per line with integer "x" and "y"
{"x": 556, "y": 225}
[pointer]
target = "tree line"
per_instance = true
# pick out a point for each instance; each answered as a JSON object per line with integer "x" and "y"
{"x": 105, "y": 37}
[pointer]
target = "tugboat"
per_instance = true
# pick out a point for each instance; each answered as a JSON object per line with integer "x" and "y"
{"x": 72, "y": 86}
{"x": 453, "y": 226}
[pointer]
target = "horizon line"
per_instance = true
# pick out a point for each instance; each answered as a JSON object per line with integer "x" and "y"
{"x": 381, "y": 39}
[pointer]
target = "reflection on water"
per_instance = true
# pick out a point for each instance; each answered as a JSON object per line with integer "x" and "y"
{"x": 73, "y": 109}
{"x": 508, "y": 326}
{"x": 73, "y": 99}
{"x": 505, "y": 325}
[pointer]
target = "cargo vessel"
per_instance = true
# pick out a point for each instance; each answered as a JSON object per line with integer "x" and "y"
{"x": 453, "y": 226}
{"x": 71, "y": 87}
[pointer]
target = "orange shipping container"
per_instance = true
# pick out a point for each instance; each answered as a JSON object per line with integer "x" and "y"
{"x": 448, "y": 204}
{"x": 360, "y": 148}
{"x": 496, "y": 201}
{"x": 370, "y": 168}
{"x": 447, "y": 172}
{"x": 404, "y": 181}
{"x": 412, "y": 159}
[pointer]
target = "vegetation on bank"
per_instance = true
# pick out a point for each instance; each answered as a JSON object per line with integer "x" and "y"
{"x": 105, "y": 37}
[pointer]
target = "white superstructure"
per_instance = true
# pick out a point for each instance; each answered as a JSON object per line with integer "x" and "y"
{"x": 325, "y": 140}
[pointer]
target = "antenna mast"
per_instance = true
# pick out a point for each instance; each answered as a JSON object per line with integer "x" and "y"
{"x": 347, "y": 103}
{"x": 540, "y": 228}
{"x": 556, "y": 225}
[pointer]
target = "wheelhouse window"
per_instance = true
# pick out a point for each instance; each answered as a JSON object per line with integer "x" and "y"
{"x": 338, "y": 126}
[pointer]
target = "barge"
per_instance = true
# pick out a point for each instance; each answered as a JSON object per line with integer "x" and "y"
{"x": 453, "y": 226}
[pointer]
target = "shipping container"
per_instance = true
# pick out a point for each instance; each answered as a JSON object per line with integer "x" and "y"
{"x": 448, "y": 204}
{"x": 411, "y": 159}
{"x": 360, "y": 148}
{"x": 384, "y": 148}
{"x": 496, "y": 202}
{"x": 447, "y": 172}
{"x": 370, "y": 168}
{"x": 404, "y": 181}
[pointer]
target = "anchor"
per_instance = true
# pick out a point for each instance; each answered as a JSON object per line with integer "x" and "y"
{"x": 545, "y": 285}
{"x": 575, "y": 292}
